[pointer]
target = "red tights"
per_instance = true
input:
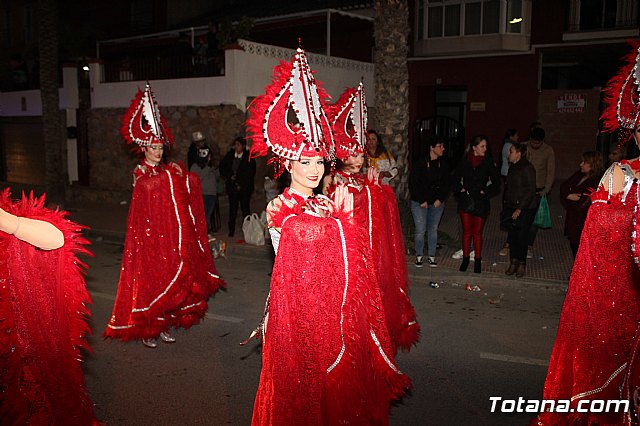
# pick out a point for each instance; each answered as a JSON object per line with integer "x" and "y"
{"x": 472, "y": 227}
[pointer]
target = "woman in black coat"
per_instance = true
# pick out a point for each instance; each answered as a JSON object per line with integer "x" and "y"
{"x": 520, "y": 207}
{"x": 475, "y": 181}
{"x": 575, "y": 195}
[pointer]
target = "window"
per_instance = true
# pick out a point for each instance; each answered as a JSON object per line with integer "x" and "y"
{"x": 28, "y": 23}
{"x": 449, "y": 18}
{"x": 514, "y": 16}
{"x": 597, "y": 14}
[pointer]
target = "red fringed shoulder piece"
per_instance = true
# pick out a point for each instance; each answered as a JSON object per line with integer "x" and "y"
{"x": 43, "y": 382}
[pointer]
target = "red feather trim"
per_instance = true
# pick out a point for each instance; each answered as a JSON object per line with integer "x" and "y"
{"x": 616, "y": 91}
{"x": 45, "y": 313}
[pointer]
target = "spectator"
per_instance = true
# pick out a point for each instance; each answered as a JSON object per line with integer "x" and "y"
{"x": 429, "y": 184}
{"x": 575, "y": 195}
{"x": 380, "y": 158}
{"x": 475, "y": 181}
{"x": 510, "y": 136}
{"x": 215, "y": 53}
{"x": 543, "y": 158}
{"x": 617, "y": 153}
{"x": 198, "y": 141}
{"x": 519, "y": 207}
{"x": 239, "y": 172}
{"x": 203, "y": 167}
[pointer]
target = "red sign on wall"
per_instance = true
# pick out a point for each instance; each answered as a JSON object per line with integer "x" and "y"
{"x": 572, "y": 102}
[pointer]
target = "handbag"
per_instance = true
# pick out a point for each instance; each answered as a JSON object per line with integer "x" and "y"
{"x": 507, "y": 223}
{"x": 467, "y": 202}
{"x": 543, "y": 215}
{"x": 253, "y": 230}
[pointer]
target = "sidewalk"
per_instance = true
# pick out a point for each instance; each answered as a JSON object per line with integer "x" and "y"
{"x": 551, "y": 264}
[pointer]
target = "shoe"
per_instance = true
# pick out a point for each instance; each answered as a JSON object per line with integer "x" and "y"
{"x": 465, "y": 264}
{"x": 166, "y": 337}
{"x": 432, "y": 262}
{"x": 513, "y": 267}
{"x": 477, "y": 265}
{"x": 522, "y": 269}
{"x": 530, "y": 252}
{"x": 150, "y": 343}
{"x": 419, "y": 261}
{"x": 505, "y": 250}
{"x": 457, "y": 255}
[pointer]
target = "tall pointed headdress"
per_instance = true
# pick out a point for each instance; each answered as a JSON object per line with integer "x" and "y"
{"x": 143, "y": 124}
{"x": 289, "y": 119}
{"x": 622, "y": 96}
{"x": 348, "y": 118}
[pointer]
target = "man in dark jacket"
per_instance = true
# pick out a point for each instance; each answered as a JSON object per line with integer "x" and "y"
{"x": 239, "y": 172}
{"x": 429, "y": 184}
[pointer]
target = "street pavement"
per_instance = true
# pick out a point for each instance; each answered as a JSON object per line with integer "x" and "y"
{"x": 474, "y": 344}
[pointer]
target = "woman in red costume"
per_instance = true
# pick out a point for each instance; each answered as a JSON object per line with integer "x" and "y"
{"x": 167, "y": 272}
{"x": 326, "y": 355}
{"x": 595, "y": 356}
{"x": 43, "y": 316}
{"x": 374, "y": 205}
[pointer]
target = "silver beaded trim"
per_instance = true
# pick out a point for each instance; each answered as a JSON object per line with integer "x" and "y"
{"x": 384, "y": 356}
{"x": 344, "y": 294}
{"x": 591, "y": 392}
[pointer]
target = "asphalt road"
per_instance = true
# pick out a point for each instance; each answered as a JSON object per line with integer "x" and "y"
{"x": 474, "y": 345}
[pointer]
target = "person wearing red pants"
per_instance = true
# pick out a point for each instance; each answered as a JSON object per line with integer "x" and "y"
{"x": 475, "y": 181}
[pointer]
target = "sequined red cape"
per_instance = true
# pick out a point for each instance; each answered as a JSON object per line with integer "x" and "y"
{"x": 597, "y": 336}
{"x": 326, "y": 355}
{"x": 376, "y": 206}
{"x": 43, "y": 323}
{"x": 167, "y": 272}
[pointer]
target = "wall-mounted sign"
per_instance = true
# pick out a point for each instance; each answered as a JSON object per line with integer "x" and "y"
{"x": 572, "y": 102}
{"x": 477, "y": 106}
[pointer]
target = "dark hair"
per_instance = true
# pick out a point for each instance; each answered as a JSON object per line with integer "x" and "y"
{"x": 538, "y": 134}
{"x": 436, "y": 141}
{"x": 520, "y": 147}
{"x": 510, "y": 133}
{"x": 380, "y": 148}
{"x": 242, "y": 140}
{"x": 594, "y": 159}
{"x": 534, "y": 125}
{"x": 475, "y": 141}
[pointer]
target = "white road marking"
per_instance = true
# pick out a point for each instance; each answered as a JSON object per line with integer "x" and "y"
{"x": 515, "y": 359}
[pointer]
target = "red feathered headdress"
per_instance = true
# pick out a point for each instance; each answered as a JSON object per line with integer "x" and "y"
{"x": 289, "y": 118}
{"x": 348, "y": 119}
{"x": 143, "y": 124}
{"x": 622, "y": 96}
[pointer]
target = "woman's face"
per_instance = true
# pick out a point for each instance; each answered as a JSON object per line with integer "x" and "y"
{"x": 515, "y": 137}
{"x": 153, "y": 153}
{"x": 480, "y": 149}
{"x": 238, "y": 147}
{"x": 615, "y": 155}
{"x": 636, "y": 136}
{"x": 306, "y": 173}
{"x": 353, "y": 164}
{"x": 514, "y": 155}
{"x": 585, "y": 167}
{"x": 372, "y": 140}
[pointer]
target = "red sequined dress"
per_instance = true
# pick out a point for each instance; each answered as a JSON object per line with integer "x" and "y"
{"x": 377, "y": 208}
{"x": 43, "y": 323}
{"x": 595, "y": 352}
{"x": 326, "y": 355}
{"x": 167, "y": 272}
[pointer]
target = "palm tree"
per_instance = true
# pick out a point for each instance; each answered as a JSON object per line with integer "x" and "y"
{"x": 391, "y": 31}
{"x": 52, "y": 123}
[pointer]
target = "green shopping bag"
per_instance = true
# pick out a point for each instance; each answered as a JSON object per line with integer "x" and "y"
{"x": 543, "y": 215}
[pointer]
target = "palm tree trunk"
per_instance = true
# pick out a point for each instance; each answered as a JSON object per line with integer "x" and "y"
{"x": 52, "y": 123}
{"x": 392, "y": 84}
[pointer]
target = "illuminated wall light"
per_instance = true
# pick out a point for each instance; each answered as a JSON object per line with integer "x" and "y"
{"x": 85, "y": 68}
{"x": 515, "y": 20}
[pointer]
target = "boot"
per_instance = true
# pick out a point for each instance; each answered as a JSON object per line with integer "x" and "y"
{"x": 513, "y": 267}
{"x": 477, "y": 265}
{"x": 522, "y": 269}
{"x": 465, "y": 264}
